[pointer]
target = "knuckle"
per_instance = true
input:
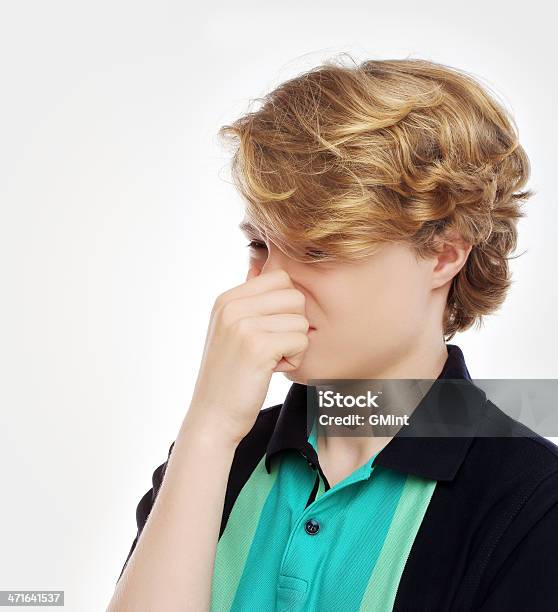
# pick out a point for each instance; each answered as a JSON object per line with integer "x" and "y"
{"x": 219, "y": 302}
{"x": 242, "y": 327}
{"x": 227, "y": 314}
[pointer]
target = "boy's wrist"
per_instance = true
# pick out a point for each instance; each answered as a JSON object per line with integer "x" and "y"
{"x": 207, "y": 433}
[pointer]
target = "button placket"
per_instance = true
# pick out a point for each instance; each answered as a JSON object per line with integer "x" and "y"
{"x": 308, "y": 460}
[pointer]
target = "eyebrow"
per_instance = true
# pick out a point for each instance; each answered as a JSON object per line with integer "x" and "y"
{"x": 248, "y": 228}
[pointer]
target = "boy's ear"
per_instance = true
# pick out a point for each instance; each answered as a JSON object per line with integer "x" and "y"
{"x": 453, "y": 252}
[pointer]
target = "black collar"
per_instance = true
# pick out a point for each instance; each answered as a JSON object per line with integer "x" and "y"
{"x": 435, "y": 457}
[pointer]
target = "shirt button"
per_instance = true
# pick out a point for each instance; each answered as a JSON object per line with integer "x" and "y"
{"x": 312, "y": 527}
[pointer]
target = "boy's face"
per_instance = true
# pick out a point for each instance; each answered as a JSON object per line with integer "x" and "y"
{"x": 367, "y": 314}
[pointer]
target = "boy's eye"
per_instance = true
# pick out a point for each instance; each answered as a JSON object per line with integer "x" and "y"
{"x": 256, "y": 244}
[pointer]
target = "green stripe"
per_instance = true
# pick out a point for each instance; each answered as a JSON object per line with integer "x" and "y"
{"x": 234, "y": 545}
{"x": 384, "y": 580}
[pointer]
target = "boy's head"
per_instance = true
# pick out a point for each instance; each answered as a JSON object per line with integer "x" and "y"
{"x": 348, "y": 169}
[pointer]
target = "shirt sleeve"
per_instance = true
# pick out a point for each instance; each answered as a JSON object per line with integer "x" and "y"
{"x": 528, "y": 579}
{"x": 145, "y": 504}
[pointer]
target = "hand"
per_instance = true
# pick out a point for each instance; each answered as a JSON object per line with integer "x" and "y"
{"x": 255, "y": 329}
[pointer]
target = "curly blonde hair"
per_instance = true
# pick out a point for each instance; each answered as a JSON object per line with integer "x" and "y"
{"x": 343, "y": 158}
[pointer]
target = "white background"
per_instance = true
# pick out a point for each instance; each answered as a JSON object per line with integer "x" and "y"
{"x": 118, "y": 230}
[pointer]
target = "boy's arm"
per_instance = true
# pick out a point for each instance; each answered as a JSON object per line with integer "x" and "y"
{"x": 527, "y": 578}
{"x": 171, "y": 566}
{"x": 145, "y": 504}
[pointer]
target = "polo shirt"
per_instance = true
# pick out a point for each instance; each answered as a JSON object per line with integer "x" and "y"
{"x": 428, "y": 523}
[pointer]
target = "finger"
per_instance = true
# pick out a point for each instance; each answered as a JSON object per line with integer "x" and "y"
{"x": 259, "y": 283}
{"x": 284, "y": 322}
{"x": 290, "y": 346}
{"x": 279, "y": 301}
